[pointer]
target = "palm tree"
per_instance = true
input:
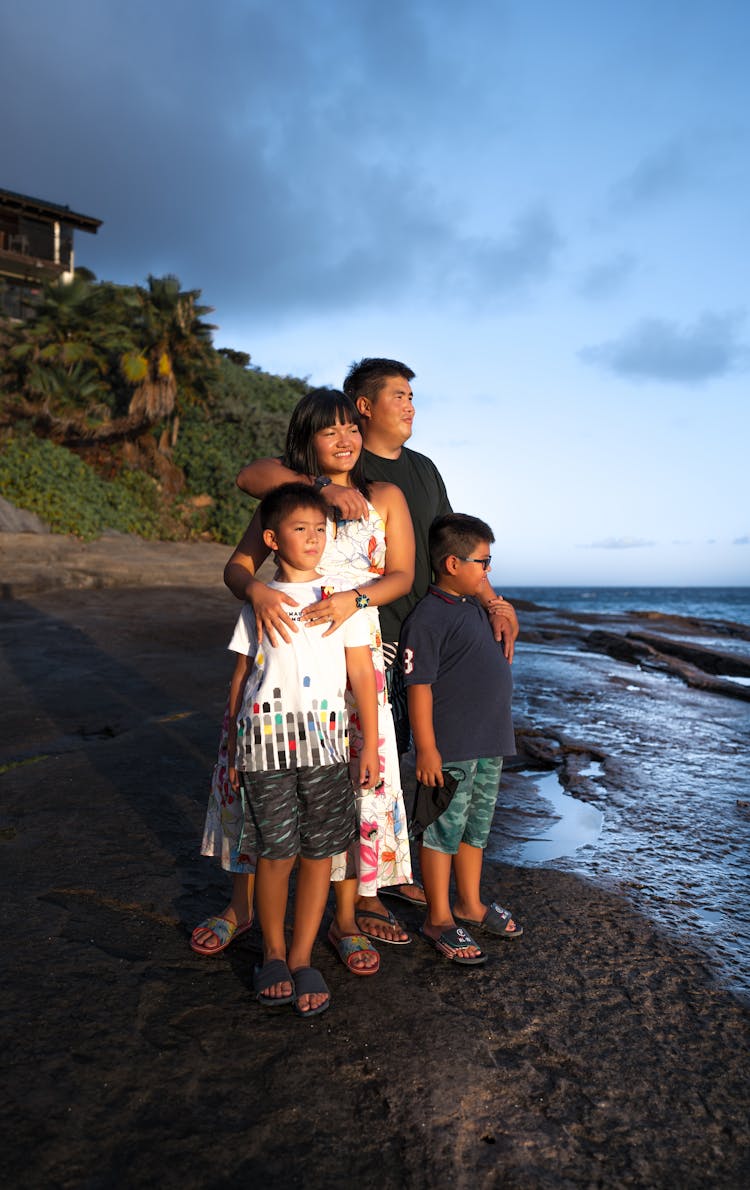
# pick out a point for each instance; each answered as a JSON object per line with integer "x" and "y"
{"x": 102, "y": 363}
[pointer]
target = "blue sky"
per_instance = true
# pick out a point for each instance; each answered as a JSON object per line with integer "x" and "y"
{"x": 542, "y": 208}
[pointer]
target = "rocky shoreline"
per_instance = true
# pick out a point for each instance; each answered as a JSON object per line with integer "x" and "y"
{"x": 596, "y": 1050}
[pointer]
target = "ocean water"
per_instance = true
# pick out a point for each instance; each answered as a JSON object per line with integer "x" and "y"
{"x": 706, "y": 603}
{"x": 667, "y": 797}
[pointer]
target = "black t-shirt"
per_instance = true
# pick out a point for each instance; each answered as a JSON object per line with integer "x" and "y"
{"x": 423, "y": 487}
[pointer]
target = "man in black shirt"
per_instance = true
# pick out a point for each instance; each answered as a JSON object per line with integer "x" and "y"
{"x": 381, "y": 390}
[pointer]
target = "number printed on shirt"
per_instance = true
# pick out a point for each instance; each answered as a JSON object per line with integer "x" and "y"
{"x": 408, "y": 661}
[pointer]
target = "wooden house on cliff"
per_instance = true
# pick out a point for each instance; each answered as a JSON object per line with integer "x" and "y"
{"x": 36, "y": 245}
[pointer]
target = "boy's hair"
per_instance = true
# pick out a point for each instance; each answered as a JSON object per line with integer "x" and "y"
{"x": 365, "y": 379}
{"x": 317, "y": 410}
{"x": 286, "y": 499}
{"x": 456, "y": 533}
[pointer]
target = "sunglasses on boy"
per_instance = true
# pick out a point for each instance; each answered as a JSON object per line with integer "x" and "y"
{"x": 483, "y": 562}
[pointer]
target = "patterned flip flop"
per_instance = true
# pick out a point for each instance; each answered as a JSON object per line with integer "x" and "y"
{"x": 226, "y": 931}
{"x": 349, "y": 945}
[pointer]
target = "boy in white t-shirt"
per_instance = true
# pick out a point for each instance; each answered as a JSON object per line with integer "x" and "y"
{"x": 289, "y": 741}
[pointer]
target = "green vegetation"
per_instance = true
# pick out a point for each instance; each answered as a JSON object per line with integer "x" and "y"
{"x": 116, "y": 412}
{"x": 60, "y": 488}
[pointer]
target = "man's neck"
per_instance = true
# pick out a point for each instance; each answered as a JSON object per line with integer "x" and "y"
{"x": 384, "y": 448}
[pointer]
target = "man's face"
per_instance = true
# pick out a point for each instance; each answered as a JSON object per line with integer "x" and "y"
{"x": 391, "y": 414}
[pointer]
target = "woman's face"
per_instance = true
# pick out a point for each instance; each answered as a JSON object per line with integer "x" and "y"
{"x": 337, "y": 447}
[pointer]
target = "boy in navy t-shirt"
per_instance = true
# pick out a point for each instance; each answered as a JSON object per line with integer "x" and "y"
{"x": 459, "y": 685}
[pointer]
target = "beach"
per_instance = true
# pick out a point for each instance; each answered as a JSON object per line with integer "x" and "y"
{"x": 606, "y": 1047}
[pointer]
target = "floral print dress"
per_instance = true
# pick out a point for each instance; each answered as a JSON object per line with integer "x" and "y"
{"x": 355, "y": 553}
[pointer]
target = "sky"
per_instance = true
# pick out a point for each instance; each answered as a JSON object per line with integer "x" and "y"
{"x": 542, "y": 208}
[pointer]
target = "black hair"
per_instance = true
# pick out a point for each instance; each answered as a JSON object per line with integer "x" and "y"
{"x": 458, "y": 534}
{"x": 365, "y": 379}
{"x": 286, "y": 499}
{"x": 319, "y": 409}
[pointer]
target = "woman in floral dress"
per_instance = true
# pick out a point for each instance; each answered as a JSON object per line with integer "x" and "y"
{"x": 375, "y": 553}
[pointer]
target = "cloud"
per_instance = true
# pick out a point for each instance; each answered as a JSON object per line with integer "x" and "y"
{"x": 280, "y": 157}
{"x": 608, "y": 277}
{"x": 619, "y": 543}
{"x": 662, "y": 174}
{"x": 655, "y": 349}
{"x": 745, "y": 540}
{"x": 506, "y": 262}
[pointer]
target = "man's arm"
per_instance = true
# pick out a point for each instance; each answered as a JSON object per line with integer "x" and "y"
{"x": 503, "y": 618}
{"x": 263, "y": 475}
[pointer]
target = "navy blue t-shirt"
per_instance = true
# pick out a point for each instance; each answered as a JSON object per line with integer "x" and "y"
{"x": 447, "y": 643}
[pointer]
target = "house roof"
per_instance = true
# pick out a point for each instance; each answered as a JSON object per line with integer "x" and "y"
{"x": 24, "y": 203}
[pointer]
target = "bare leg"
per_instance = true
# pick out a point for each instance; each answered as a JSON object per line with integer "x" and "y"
{"x": 313, "y": 881}
{"x": 436, "y": 873}
{"x": 344, "y": 922}
{"x": 271, "y": 895}
{"x": 238, "y": 911}
{"x": 467, "y": 867}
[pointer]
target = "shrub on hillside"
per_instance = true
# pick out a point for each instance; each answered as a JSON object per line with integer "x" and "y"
{"x": 70, "y": 497}
{"x": 245, "y": 417}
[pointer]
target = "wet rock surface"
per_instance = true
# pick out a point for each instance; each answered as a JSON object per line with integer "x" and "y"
{"x": 598, "y": 1049}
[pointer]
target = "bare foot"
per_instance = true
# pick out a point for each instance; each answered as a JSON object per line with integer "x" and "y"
{"x": 376, "y": 921}
{"x": 311, "y": 1000}
{"x": 278, "y": 991}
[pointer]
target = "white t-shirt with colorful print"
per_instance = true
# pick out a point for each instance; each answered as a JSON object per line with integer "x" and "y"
{"x": 293, "y": 712}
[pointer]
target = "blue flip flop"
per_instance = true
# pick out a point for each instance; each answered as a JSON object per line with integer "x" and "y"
{"x": 307, "y": 981}
{"x": 274, "y": 971}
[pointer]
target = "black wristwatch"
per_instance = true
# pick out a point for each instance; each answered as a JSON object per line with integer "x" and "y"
{"x": 321, "y": 481}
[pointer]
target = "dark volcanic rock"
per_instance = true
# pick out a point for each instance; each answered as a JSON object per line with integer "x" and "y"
{"x": 712, "y": 661}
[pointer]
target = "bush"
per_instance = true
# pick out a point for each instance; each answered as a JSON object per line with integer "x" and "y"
{"x": 70, "y": 497}
{"x": 245, "y": 418}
